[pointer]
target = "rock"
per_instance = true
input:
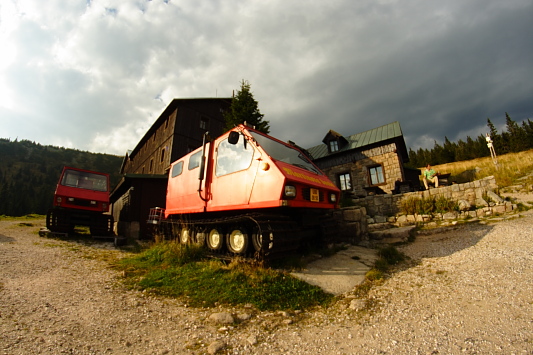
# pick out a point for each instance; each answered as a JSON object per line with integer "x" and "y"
{"x": 449, "y": 215}
{"x": 222, "y": 318}
{"x": 244, "y": 316}
{"x": 215, "y": 347}
{"x": 252, "y": 340}
{"x": 44, "y": 232}
{"x": 357, "y": 304}
{"x": 494, "y": 197}
{"x": 380, "y": 219}
{"x": 481, "y": 202}
{"x": 463, "y": 205}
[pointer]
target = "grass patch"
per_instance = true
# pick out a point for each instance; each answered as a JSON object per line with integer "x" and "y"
{"x": 3, "y": 217}
{"x": 182, "y": 271}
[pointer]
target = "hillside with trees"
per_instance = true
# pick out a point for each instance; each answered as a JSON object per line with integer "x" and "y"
{"x": 516, "y": 138}
{"x": 29, "y": 173}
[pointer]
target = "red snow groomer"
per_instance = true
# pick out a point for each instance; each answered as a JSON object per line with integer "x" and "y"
{"x": 81, "y": 198}
{"x": 247, "y": 193}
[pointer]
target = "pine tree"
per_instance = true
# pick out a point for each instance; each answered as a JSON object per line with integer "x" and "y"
{"x": 528, "y": 131}
{"x": 517, "y": 136}
{"x": 244, "y": 108}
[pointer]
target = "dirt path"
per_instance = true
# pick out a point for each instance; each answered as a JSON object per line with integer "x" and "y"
{"x": 469, "y": 291}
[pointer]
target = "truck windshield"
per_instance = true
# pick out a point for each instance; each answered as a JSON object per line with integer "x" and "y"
{"x": 285, "y": 153}
{"x": 84, "y": 180}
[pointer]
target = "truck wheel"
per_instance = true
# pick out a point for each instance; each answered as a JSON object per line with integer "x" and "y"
{"x": 237, "y": 241}
{"x": 214, "y": 239}
{"x": 185, "y": 235}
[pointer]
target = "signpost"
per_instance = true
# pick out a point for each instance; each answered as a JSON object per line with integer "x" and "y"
{"x": 492, "y": 151}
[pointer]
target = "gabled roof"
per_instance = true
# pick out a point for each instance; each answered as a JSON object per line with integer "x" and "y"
{"x": 360, "y": 140}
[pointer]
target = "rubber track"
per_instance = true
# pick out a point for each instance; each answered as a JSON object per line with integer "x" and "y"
{"x": 281, "y": 236}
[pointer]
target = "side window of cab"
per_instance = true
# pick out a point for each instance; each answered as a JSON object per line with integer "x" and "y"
{"x": 177, "y": 169}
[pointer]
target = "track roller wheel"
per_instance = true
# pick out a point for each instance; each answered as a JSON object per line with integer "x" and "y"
{"x": 215, "y": 239}
{"x": 186, "y": 235}
{"x": 238, "y": 240}
{"x": 200, "y": 237}
{"x": 263, "y": 242}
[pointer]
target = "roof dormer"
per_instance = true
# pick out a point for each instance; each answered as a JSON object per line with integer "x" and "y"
{"x": 334, "y": 141}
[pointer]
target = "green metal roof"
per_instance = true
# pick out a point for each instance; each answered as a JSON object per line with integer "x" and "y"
{"x": 360, "y": 140}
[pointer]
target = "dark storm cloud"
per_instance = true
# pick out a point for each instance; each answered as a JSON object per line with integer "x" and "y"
{"x": 96, "y": 76}
{"x": 445, "y": 82}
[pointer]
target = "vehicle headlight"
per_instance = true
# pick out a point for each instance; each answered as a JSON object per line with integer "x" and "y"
{"x": 93, "y": 202}
{"x": 332, "y": 198}
{"x": 290, "y": 191}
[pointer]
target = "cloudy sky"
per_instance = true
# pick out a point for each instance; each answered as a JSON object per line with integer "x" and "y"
{"x": 95, "y": 74}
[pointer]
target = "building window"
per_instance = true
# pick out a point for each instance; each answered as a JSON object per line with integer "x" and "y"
{"x": 345, "y": 182}
{"x": 333, "y": 146}
{"x": 163, "y": 155}
{"x": 151, "y": 165}
{"x": 376, "y": 175}
{"x": 204, "y": 123}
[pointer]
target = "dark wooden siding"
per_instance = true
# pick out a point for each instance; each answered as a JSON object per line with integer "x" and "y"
{"x": 178, "y": 130}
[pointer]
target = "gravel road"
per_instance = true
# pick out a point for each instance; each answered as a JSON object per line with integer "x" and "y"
{"x": 467, "y": 290}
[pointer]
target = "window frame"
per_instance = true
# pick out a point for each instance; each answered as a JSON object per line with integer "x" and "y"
{"x": 380, "y": 167}
{"x": 341, "y": 182}
{"x": 204, "y": 123}
{"x": 333, "y": 146}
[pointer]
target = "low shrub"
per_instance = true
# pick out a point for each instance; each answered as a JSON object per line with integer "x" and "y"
{"x": 418, "y": 205}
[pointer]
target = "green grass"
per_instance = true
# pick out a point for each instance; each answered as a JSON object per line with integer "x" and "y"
{"x": 510, "y": 168}
{"x": 181, "y": 271}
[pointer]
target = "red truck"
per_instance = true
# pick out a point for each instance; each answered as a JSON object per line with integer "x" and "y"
{"x": 246, "y": 193}
{"x": 81, "y": 198}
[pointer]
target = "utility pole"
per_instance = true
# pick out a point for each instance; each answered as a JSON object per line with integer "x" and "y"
{"x": 492, "y": 151}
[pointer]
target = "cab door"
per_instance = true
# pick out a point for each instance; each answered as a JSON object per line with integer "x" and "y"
{"x": 234, "y": 172}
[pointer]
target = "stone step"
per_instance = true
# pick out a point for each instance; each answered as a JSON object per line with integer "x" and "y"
{"x": 379, "y": 226}
{"x": 391, "y": 235}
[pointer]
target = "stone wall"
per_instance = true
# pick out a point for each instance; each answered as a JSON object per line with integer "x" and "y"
{"x": 352, "y": 223}
{"x": 477, "y": 199}
{"x": 470, "y": 192}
